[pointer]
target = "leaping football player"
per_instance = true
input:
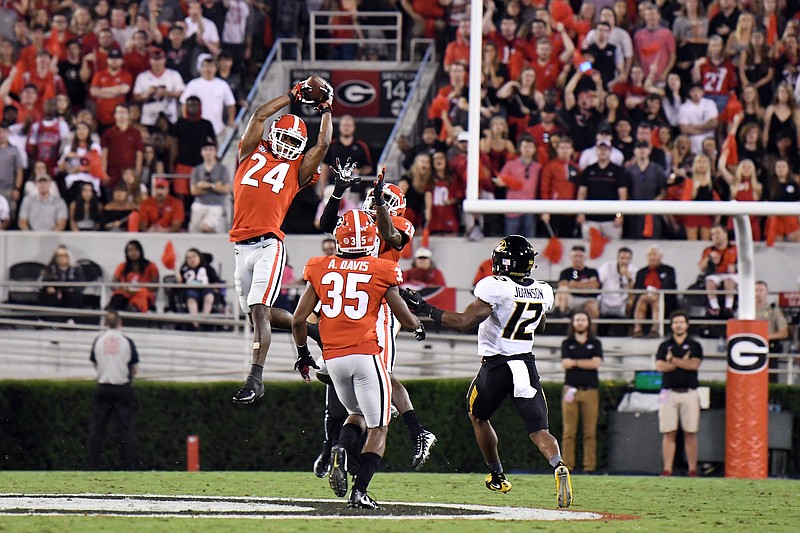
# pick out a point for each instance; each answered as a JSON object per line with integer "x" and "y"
{"x": 515, "y": 306}
{"x": 271, "y": 172}
{"x": 351, "y": 288}
{"x": 386, "y": 203}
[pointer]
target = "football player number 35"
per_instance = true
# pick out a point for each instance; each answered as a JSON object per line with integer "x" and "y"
{"x": 346, "y": 287}
{"x": 275, "y": 177}
{"x": 519, "y": 324}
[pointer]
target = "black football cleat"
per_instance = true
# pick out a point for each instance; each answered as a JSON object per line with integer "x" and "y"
{"x": 250, "y": 392}
{"x": 337, "y": 478}
{"x": 322, "y": 464}
{"x": 422, "y": 448}
{"x": 361, "y": 500}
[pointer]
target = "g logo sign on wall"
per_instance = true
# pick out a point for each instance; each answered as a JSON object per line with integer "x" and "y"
{"x": 747, "y": 353}
{"x": 356, "y": 93}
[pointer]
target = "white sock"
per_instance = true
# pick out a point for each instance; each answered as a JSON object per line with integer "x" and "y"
{"x": 713, "y": 303}
{"x": 729, "y": 302}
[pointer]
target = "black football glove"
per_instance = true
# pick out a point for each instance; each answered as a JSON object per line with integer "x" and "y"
{"x": 344, "y": 176}
{"x": 327, "y": 98}
{"x": 419, "y": 333}
{"x": 415, "y": 302}
{"x": 378, "y": 190}
{"x": 304, "y": 362}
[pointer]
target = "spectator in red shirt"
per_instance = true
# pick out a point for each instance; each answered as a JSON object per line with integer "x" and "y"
{"x": 442, "y": 201}
{"x": 48, "y": 84}
{"x": 137, "y": 60}
{"x": 122, "y": 147}
{"x": 110, "y": 88}
{"x": 542, "y": 132}
{"x": 28, "y": 106}
{"x": 511, "y": 50}
{"x": 428, "y": 16}
{"x": 716, "y": 72}
{"x": 560, "y": 182}
{"x": 134, "y": 270}
{"x": 423, "y": 272}
{"x": 161, "y": 212}
{"x": 484, "y": 271}
{"x": 550, "y": 71}
{"x": 458, "y": 50}
{"x": 59, "y": 36}
{"x": 27, "y": 56}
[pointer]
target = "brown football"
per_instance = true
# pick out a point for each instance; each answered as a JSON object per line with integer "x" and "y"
{"x": 318, "y": 92}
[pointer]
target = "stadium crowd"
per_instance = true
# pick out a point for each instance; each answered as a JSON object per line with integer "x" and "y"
{"x": 675, "y": 100}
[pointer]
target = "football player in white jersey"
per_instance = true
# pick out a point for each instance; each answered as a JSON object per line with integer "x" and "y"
{"x": 510, "y": 308}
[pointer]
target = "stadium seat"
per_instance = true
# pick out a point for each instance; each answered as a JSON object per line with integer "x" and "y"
{"x": 25, "y": 271}
{"x": 92, "y": 272}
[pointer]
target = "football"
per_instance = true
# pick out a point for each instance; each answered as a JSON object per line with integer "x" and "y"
{"x": 317, "y": 90}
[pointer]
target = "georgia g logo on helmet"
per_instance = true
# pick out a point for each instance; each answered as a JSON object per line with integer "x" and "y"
{"x": 288, "y": 137}
{"x": 513, "y": 257}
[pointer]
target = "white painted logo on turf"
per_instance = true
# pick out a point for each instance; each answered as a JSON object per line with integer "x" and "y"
{"x": 153, "y": 505}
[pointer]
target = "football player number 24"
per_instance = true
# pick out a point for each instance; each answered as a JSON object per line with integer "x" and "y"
{"x": 275, "y": 177}
{"x": 346, "y": 287}
{"x": 519, "y": 324}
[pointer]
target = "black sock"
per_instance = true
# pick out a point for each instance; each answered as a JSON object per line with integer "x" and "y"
{"x": 255, "y": 372}
{"x": 349, "y": 435}
{"x": 313, "y": 332}
{"x": 369, "y": 465}
{"x": 496, "y": 468}
{"x": 412, "y": 423}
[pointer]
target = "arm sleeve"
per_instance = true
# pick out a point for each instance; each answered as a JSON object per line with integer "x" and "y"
{"x": 598, "y": 349}
{"x": 134, "y": 353}
{"x": 330, "y": 215}
{"x": 661, "y": 354}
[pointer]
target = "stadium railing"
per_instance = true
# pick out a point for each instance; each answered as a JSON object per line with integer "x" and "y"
{"x": 319, "y": 23}
{"x": 623, "y": 356}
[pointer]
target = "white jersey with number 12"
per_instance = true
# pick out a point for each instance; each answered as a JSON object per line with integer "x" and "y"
{"x": 517, "y": 309}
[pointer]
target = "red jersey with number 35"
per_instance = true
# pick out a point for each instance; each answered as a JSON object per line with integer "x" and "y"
{"x": 350, "y": 293}
{"x": 406, "y": 229}
{"x": 263, "y": 189}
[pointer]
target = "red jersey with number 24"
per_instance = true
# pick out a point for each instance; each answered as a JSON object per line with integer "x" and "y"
{"x": 263, "y": 189}
{"x": 350, "y": 293}
{"x": 406, "y": 229}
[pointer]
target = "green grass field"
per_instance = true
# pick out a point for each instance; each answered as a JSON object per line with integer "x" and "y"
{"x": 647, "y": 503}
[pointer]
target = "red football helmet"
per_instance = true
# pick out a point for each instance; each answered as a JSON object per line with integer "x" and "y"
{"x": 356, "y": 233}
{"x": 288, "y": 137}
{"x": 392, "y": 195}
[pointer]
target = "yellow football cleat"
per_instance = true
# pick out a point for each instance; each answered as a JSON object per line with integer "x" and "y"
{"x": 498, "y": 483}
{"x": 563, "y": 486}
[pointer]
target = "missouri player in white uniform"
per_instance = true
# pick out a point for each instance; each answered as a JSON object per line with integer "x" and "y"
{"x": 386, "y": 204}
{"x": 510, "y": 307}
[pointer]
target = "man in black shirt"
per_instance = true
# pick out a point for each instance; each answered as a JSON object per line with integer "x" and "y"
{"x": 578, "y": 277}
{"x": 347, "y": 146}
{"x": 606, "y": 58}
{"x": 581, "y": 355}
{"x": 678, "y": 359}
{"x": 602, "y": 181}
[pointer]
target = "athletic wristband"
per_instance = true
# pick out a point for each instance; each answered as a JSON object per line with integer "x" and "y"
{"x": 325, "y": 110}
{"x": 292, "y": 97}
{"x": 436, "y": 314}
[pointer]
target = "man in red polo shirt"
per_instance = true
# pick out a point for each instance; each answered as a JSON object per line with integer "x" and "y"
{"x": 122, "y": 147}
{"x": 109, "y": 88}
{"x": 161, "y": 212}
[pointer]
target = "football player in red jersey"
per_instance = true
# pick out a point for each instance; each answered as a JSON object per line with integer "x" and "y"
{"x": 386, "y": 203}
{"x": 270, "y": 173}
{"x": 351, "y": 287}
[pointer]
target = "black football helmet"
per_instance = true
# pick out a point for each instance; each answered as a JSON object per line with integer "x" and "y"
{"x": 513, "y": 257}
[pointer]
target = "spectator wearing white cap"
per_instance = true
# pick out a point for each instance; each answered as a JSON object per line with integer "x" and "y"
{"x": 216, "y": 97}
{"x": 423, "y": 271}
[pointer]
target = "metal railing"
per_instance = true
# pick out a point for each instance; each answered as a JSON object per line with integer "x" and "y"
{"x": 414, "y": 96}
{"x": 319, "y": 22}
{"x": 276, "y": 53}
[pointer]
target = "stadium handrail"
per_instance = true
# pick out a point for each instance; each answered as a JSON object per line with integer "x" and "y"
{"x": 275, "y": 51}
{"x": 397, "y": 28}
{"x": 429, "y": 56}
